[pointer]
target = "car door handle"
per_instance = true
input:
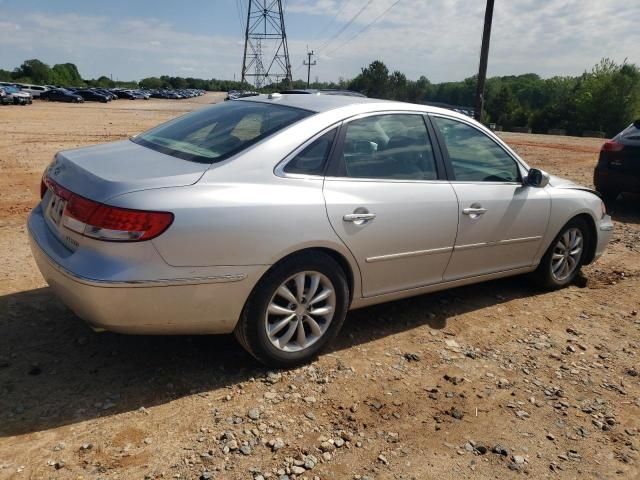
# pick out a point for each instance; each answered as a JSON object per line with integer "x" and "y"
{"x": 474, "y": 211}
{"x": 358, "y": 217}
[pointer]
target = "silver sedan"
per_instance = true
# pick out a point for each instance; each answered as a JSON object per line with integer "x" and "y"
{"x": 272, "y": 216}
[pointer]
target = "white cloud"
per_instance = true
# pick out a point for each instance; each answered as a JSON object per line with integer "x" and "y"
{"x": 441, "y": 38}
{"x": 438, "y": 38}
{"x": 128, "y": 48}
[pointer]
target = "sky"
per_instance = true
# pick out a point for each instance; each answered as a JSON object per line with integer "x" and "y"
{"x": 440, "y": 39}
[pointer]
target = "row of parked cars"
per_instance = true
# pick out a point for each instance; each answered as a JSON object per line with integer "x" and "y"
{"x": 23, "y": 94}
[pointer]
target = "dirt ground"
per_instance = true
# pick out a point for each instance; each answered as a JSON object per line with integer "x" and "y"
{"x": 497, "y": 380}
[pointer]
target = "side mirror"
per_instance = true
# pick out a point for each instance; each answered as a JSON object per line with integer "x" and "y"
{"x": 537, "y": 178}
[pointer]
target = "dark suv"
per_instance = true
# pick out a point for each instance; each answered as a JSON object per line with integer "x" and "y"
{"x": 618, "y": 169}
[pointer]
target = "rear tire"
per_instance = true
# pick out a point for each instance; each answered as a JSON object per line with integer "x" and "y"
{"x": 563, "y": 259}
{"x": 270, "y": 323}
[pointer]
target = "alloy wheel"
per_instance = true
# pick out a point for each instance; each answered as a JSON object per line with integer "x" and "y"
{"x": 300, "y": 311}
{"x": 566, "y": 254}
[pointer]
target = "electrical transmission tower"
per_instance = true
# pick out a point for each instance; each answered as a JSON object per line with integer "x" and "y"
{"x": 266, "y": 55}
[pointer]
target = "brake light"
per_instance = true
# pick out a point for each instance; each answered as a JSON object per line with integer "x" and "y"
{"x": 105, "y": 222}
{"x": 43, "y": 187}
{"x": 112, "y": 223}
{"x": 612, "y": 146}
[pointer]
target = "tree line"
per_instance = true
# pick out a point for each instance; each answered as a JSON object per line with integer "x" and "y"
{"x": 606, "y": 98}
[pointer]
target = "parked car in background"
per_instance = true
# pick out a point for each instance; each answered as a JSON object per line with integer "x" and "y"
{"x": 272, "y": 216}
{"x": 132, "y": 94}
{"x": 34, "y": 90}
{"x": 5, "y": 98}
{"x": 236, "y": 94}
{"x": 19, "y": 97}
{"x": 93, "y": 96}
{"x": 140, "y": 95}
{"x": 126, "y": 94}
{"x": 107, "y": 93}
{"x": 61, "y": 95}
{"x": 618, "y": 168}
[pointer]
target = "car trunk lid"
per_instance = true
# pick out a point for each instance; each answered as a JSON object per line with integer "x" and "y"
{"x": 105, "y": 171}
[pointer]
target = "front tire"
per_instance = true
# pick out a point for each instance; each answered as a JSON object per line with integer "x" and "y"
{"x": 563, "y": 259}
{"x": 295, "y": 310}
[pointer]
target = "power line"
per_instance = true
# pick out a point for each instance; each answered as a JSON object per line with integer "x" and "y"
{"x": 241, "y": 14}
{"x": 366, "y": 27}
{"x": 333, "y": 19}
{"x": 347, "y": 25}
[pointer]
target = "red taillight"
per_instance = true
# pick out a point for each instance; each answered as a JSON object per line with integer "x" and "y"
{"x": 104, "y": 222}
{"x": 80, "y": 208}
{"x": 612, "y": 146}
{"x": 112, "y": 223}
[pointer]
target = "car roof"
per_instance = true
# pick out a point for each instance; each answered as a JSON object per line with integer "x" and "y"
{"x": 324, "y": 103}
{"x": 314, "y": 103}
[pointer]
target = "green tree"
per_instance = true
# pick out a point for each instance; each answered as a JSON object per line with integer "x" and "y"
{"x": 373, "y": 81}
{"x": 66, "y": 74}
{"x": 608, "y": 97}
{"x": 398, "y": 86}
{"x": 34, "y": 71}
{"x": 151, "y": 83}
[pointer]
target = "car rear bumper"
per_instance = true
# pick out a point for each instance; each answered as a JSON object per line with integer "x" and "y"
{"x": 616, "y": 181}
{"x": 193, "y": 305}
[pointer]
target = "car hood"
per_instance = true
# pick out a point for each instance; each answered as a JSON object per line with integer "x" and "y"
{"x": 21, "y": 94}
{"x": 105, "y": 171}
{"x": 560, "y": 182}
{"x": 556, "y": 181}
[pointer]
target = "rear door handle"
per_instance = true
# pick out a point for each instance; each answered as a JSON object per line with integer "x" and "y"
{"x": 474, "y": 211}
{"x": 358, "y": 217}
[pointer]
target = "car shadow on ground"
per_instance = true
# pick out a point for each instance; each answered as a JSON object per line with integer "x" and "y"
{"x": 55, "y": 371}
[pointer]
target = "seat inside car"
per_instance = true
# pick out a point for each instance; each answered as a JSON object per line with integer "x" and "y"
{"x": 405, "y": 156}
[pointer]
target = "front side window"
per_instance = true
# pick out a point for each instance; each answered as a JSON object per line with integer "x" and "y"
{"x": 313, "y": 159}
{"x": 220, "y": 131}
{"x": 393, "y": 146}
{"x": 473, "y": 155}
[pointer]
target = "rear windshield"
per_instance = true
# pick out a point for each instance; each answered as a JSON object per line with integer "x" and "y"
{"x": 220, "y": 131}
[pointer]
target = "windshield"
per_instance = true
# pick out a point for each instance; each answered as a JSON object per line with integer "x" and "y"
{"x": 217, "y": 132}
{"x": 11, "y": 89}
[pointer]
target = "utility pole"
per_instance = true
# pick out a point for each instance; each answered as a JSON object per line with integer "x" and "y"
{"x": 266, "y": 54}
{"x": 309, "y": 64}
{"x": 484, "y": 58}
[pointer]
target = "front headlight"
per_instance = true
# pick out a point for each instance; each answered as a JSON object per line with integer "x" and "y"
{"x": 603, "y": 209}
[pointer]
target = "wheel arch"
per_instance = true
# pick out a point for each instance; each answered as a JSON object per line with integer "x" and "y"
{"x": 592, "y": 239}
{"x": 348, "y": 265}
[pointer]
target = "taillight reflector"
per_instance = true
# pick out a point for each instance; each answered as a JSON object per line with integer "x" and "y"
{"x": 105, "y": 222}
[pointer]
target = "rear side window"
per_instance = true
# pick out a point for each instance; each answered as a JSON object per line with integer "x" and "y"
{"x": 474, "y": 156}
{"x": 313, "y": 159}
{"x": 632, "y": 132}
{"x": 220, "y": 131}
